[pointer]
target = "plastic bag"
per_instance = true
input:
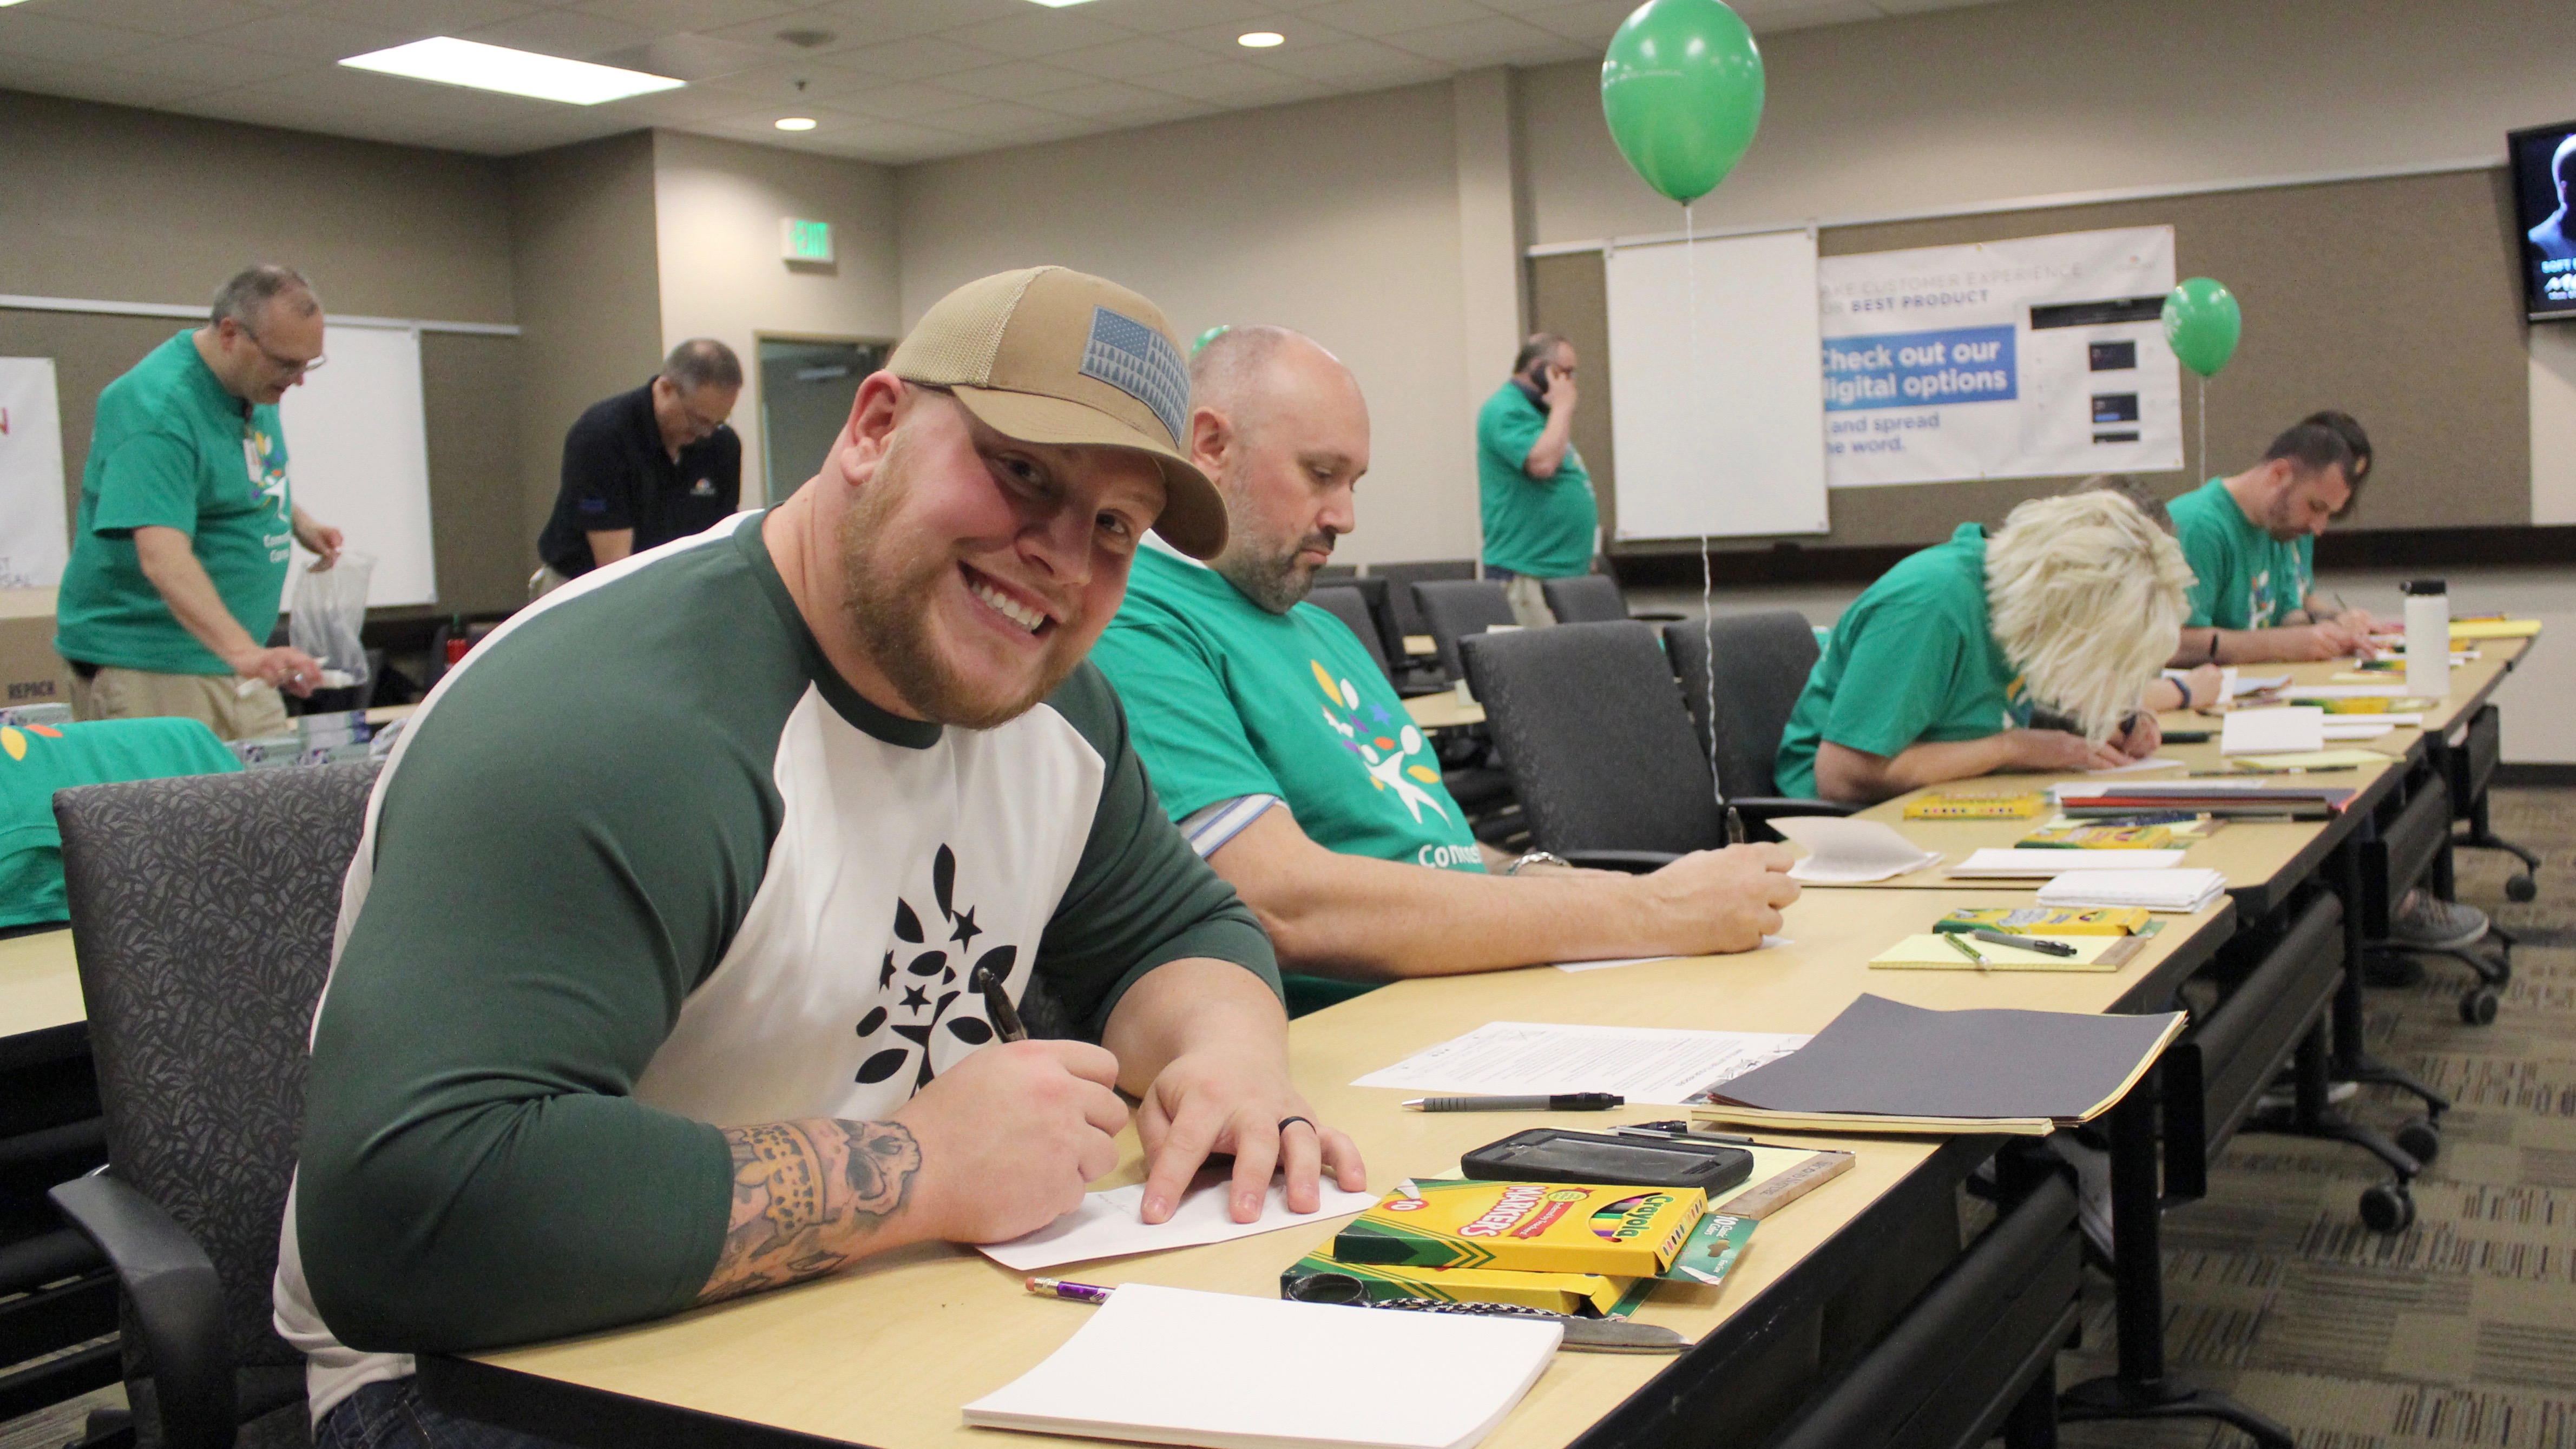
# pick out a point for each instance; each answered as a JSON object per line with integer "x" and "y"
{"x": 330, "y": 609}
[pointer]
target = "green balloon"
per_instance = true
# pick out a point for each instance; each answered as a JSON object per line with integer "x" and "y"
{"x": 1681, "y": 86}
{"x": 2202, "y": 324}
{"x": 1210, "y": 335}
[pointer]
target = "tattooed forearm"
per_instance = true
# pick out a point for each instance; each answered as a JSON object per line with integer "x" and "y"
{"x": 805, "y": 1197}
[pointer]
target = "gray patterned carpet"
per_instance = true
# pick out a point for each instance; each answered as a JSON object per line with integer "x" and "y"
{"x": 2460, "y": 1330}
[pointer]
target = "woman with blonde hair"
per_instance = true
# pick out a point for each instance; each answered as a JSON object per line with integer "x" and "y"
{"x": 1932, "y": 674}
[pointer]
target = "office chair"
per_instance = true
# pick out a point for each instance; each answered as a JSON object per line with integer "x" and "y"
{"x": 1452, "y": 609}
{"x": 2472, "y": 766}
{"x": 1346, "y": 604}
{"x": 1762, "y": 663}
{"x": 1411, "y": 675}
{"x": 1585, "y": 599}
{"x": 203, "y": 909}
{"x": 1598, "y": 747}
{"x": 1401, "y": 577}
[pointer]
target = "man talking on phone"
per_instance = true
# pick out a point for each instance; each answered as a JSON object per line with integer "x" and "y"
{"x": 1540, "y": 518}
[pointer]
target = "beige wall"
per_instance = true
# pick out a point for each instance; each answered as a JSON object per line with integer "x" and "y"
{"x": 121, "y": 205}
{"x": 584, "y": 273}
{"x": 717, "y": 207}
{"x": 2040, "y": 97}
{"x": 1339, "y": 218}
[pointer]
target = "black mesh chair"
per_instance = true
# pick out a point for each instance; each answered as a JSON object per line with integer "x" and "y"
{"x": 1585, "y": 599}
{"x": 1401, "y": 577}
{"x": 1593, "y": 734}
{"x": 1762, "y": 663}
{"x": 1346, "y": 604}
{"x": 203, "y": 910}
{"x": 1411, "y": 675}
{"x": 1452, "y": 609}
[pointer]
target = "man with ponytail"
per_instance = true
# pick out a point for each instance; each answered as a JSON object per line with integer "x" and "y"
{"x": 1934, "y": 672}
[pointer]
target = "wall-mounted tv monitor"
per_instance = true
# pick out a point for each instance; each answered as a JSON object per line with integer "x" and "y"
{"x": 2544, "y": 191}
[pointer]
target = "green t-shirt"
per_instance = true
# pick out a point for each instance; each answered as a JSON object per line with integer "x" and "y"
{"x": 2244, "y": 578}
{"x": 1913, "y": 660}
{"x": 172, "y": 449}
{"x": 1539, "y": 526}
{"x": 709, "y": 885}
{"x": 1227, "y": 699}
{"x": 37, "y": 760}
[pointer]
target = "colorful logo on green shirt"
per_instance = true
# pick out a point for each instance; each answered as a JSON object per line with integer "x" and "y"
{"x": 1388, "y": 758}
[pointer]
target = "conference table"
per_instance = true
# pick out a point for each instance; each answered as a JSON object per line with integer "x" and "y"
{"x": 1444, "y": 710}
{"x": 886, "y": 1353}
{"x": 42, "y": 1016}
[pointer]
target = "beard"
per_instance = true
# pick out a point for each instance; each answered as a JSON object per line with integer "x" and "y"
{"x": 886, "y": 593}
{"x": 1273, "y": 578}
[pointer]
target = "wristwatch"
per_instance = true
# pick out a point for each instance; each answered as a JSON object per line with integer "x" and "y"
{"x": 1535, "y": 857}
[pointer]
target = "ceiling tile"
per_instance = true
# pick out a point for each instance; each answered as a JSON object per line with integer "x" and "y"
{"x": 1385, "y": 17}
{"x": 418, "y": 18}
{"x": 562, "y": 32}
{"x": 1298, "y": 30}
{"x": 1142, "y": 55}
{"x": 919, "y": 58}
{"x": 775, "y": 82}
{"x": 1353, "y": 62}
{"x": 1040, "y": 32}
{"x": 1106, "y": 100}
{"x": 672, "y": 16}
{"x": 687, "y": 57}
{"x": 1916, "y": 7}
{"x": 1495, "y": 40}
{"x": 1230, "y": 83}
{"x": 994, "y": 118}
{"x": 683, "y": 107}
{"x": 161, "y": 17}
{"x": 218, "y": 67}
{"x": 1800, "y": 14}
{"x": 1589, "y": 21}
{"x": 97, "y": 83}
{"x": 869, "y": 22}
{"x": 908, "y": 102}
{"x": 314, "y": 37}
{"x": 1161, "y": 17}
{"x": 758, "y": 126}
{"x": 38, "y": 36}
{"x": 1014, "y": 79}
{"x": 893, "y": 141}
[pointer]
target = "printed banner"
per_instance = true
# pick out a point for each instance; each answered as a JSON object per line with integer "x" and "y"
{"x": 2011, "y": 359}
{"x": 34, "y": 540}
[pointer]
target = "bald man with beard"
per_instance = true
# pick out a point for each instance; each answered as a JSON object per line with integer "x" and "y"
{"x": 1289, "y": 761}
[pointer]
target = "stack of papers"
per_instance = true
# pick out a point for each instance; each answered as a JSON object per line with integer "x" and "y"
{"x": 1997, "y": 863}
{"x": 1846, "y": 851}
{"x": 2181, "y": 891}
{"x": 2273, "y": 731}
{"x": 1645, "y": 1064}
{"x": 1168, "y": 1366}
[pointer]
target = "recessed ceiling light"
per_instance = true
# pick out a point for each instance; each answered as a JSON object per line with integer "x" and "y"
{"x": 1059, "y": 4}
{"x": 1261, "y": 39}
{"x": 450, "y": 61}
{"x": 794, "y": 123}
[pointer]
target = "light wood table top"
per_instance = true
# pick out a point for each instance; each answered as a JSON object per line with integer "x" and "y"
{"x": 1421, "y": 644}
{"x": 1444, "y": 711}
{"x": 887, "y": 1353}
{"x": 39, "y": 984}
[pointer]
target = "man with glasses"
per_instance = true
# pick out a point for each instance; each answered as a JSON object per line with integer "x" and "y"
{"x": 645, "y": 467}
{"x": 185, "y": 525}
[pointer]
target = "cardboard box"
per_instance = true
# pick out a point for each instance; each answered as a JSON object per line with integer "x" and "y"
{"x": 30, "y": 671}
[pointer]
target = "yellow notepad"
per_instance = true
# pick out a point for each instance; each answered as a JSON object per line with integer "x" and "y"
{"x": 2315, "y": 759}
{"x": 2494, "y": 628}
{"x": 1932, "y": 951}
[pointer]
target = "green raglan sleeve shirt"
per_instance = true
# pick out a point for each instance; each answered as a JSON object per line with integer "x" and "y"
{"x": 558, "y": 870}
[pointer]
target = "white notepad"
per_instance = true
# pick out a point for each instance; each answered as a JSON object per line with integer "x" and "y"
{"x": 1169, "y": 1366}
{"x": 2156, "y": 890}
{"x": 2000, "y": 863}
{"x": 2286, "y": 730}
{"x": 1845, "y": 851}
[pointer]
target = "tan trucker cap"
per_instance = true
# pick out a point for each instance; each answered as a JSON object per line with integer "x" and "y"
{"x": 1050, "y": 355}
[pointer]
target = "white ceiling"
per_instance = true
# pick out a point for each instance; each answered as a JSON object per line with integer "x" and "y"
{"x": 888, "y": 80}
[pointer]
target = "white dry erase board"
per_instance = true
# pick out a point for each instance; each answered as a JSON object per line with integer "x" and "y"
{"x": 357, "y": 457}
{"x": 1717, "y": 403}
{"x": 34, "y": 540}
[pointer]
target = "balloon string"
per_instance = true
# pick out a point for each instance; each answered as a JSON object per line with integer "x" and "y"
{"x": 1707, "y": 567}
{"x": 2204, "y": 431}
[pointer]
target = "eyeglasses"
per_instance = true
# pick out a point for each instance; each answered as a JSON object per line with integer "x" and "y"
{"x": 287, "y": 365}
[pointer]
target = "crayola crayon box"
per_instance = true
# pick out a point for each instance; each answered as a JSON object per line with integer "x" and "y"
{"x": 1584, "y": 1293}
{"x": 1537, "y": 1227}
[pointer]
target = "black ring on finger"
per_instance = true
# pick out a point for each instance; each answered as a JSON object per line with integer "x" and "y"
{"x": 1309, "y": 1121}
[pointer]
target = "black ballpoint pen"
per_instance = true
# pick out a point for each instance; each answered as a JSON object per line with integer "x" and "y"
{"x": 997, "y": 1005}
{"x": 1561, "y": 1102}
{"x": 2024, "y": 943}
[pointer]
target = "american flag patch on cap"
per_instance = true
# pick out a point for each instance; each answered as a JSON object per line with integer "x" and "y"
{"x": 1141, "y": 362}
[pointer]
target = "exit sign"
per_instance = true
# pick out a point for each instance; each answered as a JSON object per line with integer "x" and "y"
{"x": 806, "y": 241}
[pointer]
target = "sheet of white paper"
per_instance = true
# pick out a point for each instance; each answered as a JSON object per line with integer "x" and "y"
{"x": 2367, "y": 727}
{"x": 2240, "y": 684}
{"x": 1645, "y": 1064}
{"x": 2344, "y": 691}
{"x": 2282, "y": 731}
{"x": 1846, "y": 851}
{"x": 2137, "y": 767}
{"x": 2043, "y": 864}
{"x": 1107, "y": 1224}
{"x": 1767, "y": 943}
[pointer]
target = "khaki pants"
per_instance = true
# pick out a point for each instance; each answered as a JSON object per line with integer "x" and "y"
{"x": 545, "y": 581}
{"x": 137, "y": 694}
{"x": 1529, "y": 602}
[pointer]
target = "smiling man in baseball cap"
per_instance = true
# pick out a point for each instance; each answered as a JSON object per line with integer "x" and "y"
{"x": 665, "y": 975}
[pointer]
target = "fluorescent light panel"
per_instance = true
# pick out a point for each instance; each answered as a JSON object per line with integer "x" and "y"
{"x": 1050, "y": 4}
{"x": 450, "y": 61}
